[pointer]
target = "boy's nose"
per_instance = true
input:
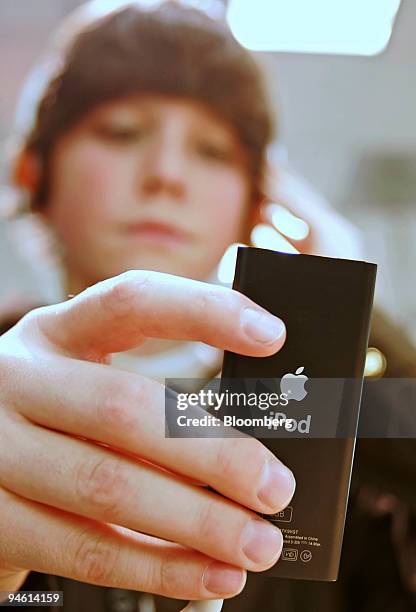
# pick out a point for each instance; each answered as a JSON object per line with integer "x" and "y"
{"x": 165, "y": 168}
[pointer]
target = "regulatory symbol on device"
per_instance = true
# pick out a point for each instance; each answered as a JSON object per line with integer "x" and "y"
{"x": 306, "y": 556}
{"x": 289, "y": 554}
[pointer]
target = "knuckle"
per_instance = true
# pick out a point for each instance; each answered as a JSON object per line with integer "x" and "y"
{"x": 227, "y": 465}
{"x": 36, "y": 319}
{"x": 217, "y": 528}
{"x": 38, "y": 325}
{"x": 34, "y": 316}
{"x": 239, "y": 461}
{"x": 95, "y": 558}
{"x": 237, "y": 457}
{"x": 117, "y": 408}
{"x": 169, "y": 578}
{"x": 211, "y": 298}
{"x": 222, "y": 304}
{"x": 118, "y": 294}
{"x": 101, "y": 484}
{"x": 211, "y": 304}
{"x": 207, "y": 523}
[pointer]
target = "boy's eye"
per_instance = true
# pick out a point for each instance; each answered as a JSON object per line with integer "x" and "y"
{"x": 214, "y": 152}
{"x": 122, "y": 134}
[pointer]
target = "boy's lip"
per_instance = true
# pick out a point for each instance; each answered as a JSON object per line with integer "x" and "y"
{"x": 157, "y": 231}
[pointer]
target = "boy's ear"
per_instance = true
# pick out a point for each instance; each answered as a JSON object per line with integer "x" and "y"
{"x": 26, "y": 171}
{"x": 254, "y": 217}
{"x": 255, "y": 214}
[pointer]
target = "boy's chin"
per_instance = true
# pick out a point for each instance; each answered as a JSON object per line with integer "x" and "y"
{"x": 160, "y": 263}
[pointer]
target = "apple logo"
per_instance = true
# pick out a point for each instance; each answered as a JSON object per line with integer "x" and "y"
{"x": 293, "y": 385}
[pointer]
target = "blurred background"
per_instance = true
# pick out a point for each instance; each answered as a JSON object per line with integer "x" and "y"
{"x": 347, "y": 124}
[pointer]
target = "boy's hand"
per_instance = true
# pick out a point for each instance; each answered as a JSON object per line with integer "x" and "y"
{"x": 90, "y": 488}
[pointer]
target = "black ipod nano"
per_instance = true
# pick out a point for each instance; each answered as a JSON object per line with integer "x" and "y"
{"x": 326, "y": 305}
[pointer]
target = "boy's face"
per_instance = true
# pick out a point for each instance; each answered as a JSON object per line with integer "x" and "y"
{"x": 149, "y": 182}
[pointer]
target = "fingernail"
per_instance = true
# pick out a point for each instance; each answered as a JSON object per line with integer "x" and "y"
{"x": 222, "y": 579}
{"x": 260, "y": 326}
{"x": 261, "y": 541}
{"x": 277, "y": 485}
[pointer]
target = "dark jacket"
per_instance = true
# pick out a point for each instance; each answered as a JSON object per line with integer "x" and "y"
{"x": 378, "y": 562}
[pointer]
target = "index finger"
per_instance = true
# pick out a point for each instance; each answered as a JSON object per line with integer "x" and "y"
{"x": 119, "y": 313}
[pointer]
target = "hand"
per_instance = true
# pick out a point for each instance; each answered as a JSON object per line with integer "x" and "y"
{"x": 323, "y": 231}
{"x": 90, "y": 488}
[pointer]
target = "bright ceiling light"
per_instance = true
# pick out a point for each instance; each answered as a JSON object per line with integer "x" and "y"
{"x": 263, "y": 236}
{"x": 350, "y": 27}
{"x": 214, "y": 8}
{"x": 288, "y": 224}
{"x": 226, "y": 267}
